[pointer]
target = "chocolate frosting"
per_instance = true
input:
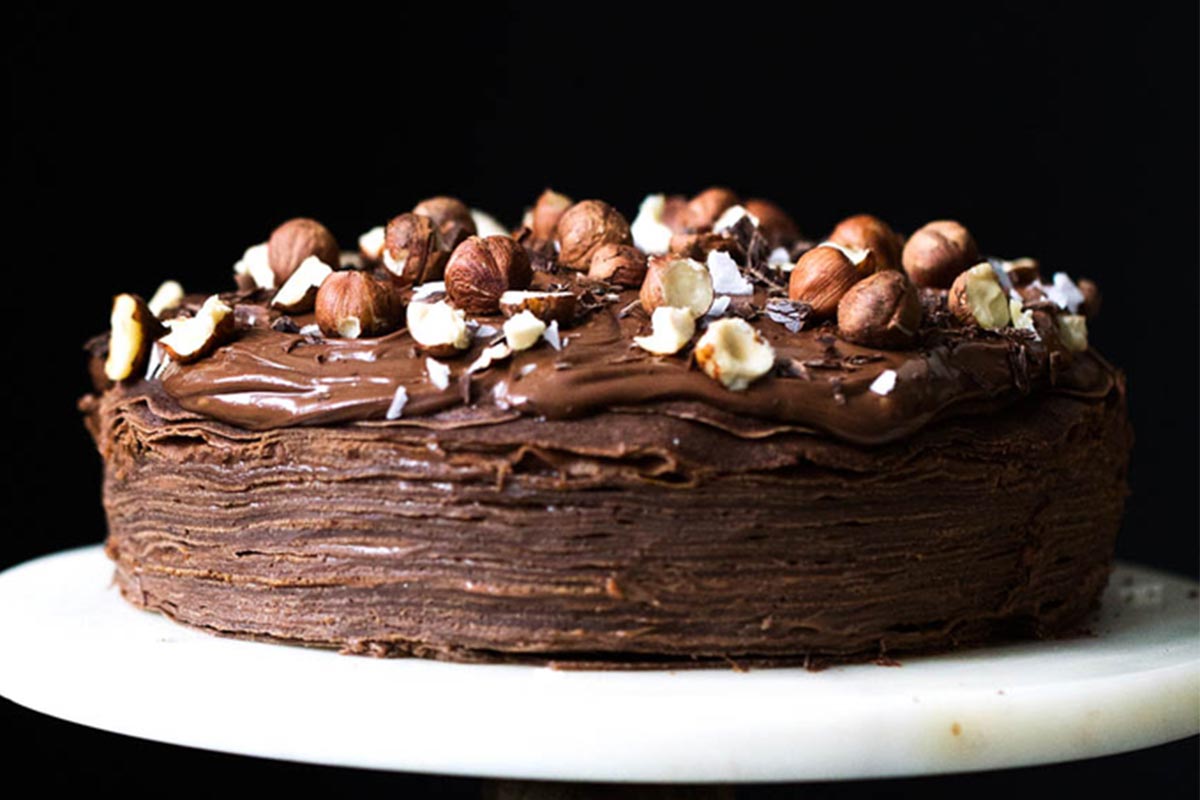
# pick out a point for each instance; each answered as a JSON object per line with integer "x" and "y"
{"x": 270, "y": 379}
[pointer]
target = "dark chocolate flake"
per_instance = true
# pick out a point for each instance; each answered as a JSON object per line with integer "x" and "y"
{"x": 791, "y": 314}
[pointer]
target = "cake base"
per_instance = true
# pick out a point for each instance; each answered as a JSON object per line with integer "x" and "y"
{"x": 76, "y": 650}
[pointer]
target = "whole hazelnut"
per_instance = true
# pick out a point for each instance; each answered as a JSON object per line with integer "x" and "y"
{"x": 821, "y": 277}
{"x": 296, "y": 240}
{"x": 351, "y": 304}
{"x": 937, "y": 253}
{"x": 620, "y": 264}
{"x": 881, "y": 310}
{"x": 1090, "y": 307}
{"x": 452, "y": 218}
{"x": 546, "y": 213}
{"x": 584, "y": 228}
{"x": 412, "y": 249}
{"x": 481, "y": 270}
{"x": 705, "y": 208}
{"x": 866, "y": 232}
{"x": 775, "y": 224}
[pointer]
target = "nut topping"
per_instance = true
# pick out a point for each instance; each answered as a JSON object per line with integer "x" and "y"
{"x": 193, "y": 338}
{"x": 371, "y": 244}
{"x": 937, "y": 253}
{"x": 452, "y": 218}
{"x": 481, "y": 270}
{"x": 678, "y": 283}
{"x": 672, "y": 328}
{"x": 134, "y": 329}
{"x": 584, "y": 228}
{"x": 651, "y": 234}
{"x": 353, "y": 304}
{"x": 523, "y": 331}
{"x": 774, "y": 223}
{"x": 1073, "y": 332}
{"x": 620, "y": 264}
{"x": 439, "y": 329}
{"x": 882, "y": 310}
{"x": 546, "y": 306}
{"x": 296, "y": 240}
{"x": 866, "y": 232}
{"x": 732, "y": 352}
{"x": 546, "y": 213}
{"x": 169, "y": 296}
{"x": 977, "y": 297}
{"x": 706, "y": 208}
{"x": 413, "y": 251}
{"x": 822, "y": 276}
{"x": 299, "y": 292}
{"x": 253, "y": 269}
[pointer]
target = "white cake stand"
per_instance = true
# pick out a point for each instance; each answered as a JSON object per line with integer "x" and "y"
{"x": 72, "y": 648}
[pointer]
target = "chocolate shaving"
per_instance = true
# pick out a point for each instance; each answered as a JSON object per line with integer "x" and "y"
{"x": 839, "y": 396}
{"x": 792, "y": 368}
{"x": 285, "y": 324}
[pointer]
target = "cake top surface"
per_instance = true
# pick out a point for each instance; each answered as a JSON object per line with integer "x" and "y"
{"x": 710, "y": 308}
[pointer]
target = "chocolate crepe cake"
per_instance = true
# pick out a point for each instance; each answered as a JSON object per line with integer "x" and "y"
{"x": 697, "y": 439}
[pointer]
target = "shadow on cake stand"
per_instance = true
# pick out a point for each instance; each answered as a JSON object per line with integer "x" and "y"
{"x": 1133, "y": 683}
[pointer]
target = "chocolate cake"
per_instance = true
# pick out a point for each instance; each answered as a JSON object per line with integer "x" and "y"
{"x": 696, "y": 439}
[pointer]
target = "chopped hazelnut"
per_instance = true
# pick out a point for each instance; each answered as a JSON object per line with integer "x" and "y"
{"x": 678, "y": 283}
{"x": 977, "y": 297}
{"x": 523, "y": 331}
{"x": 671, "y": 329}
{"x": 732, "y": 352}
{"x": 195, "y": 337}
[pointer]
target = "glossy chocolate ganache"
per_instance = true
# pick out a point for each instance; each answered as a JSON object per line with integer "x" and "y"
{"x": 700, "y": 440}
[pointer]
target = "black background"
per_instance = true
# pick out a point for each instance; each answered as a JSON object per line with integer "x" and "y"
{"x": 162, "y": 143}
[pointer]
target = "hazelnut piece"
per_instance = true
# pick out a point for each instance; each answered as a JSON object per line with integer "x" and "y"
{"x": 296, "y": 240}
{"x": 707, "y": 207}
{"x": 620, "y": 264}
{"x": 546, "y": 213}
{"x": 371, "y": 244}
{"x": 1022, "y": 272}
{"x": 352, "y": 304}
{"x": 546, "y": 306}
{"x": 937, "y": 253}
{"x": 822, "y": 276}
{"x": 671, "y": 329}
{"x": 438, "y": 328}
{"x": 413, "y": 251}
{"x": 481, "y": 270}
{"x": 523, "y": 331}
{"x": 584, "y": 228}
{"x": 1073, "y": 332}
{"x": 977, "y": 297}
{"x": 881, "y": 310}
{"x": 698, "y": 245}
{"x": 677, "y": 283}
{"x": 299, "y": 292}
{"x": 195, "y": 337}
{"x": 134, "y": 329}
{"x": 774, "y": 223}
{"x": 452, "y": 218}
{"x": 866, "y": 232}
{"x": 732, "y": 352}
{"x": 168, "y": 297}
{"x": 650, "y": 231}
{"x": 253, "y": 269}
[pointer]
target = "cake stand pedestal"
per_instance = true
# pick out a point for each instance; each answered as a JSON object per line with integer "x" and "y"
{"x": 72, "y": 648}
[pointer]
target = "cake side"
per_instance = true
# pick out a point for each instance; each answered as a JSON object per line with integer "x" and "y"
{"x": 507, "y": 543}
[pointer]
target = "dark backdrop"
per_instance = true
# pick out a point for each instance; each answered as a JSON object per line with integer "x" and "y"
{"x": 160, "y": 144}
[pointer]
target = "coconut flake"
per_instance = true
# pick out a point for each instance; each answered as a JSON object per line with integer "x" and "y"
{"x": 487, "y": 225}
{"x": 439, "y": 373}
{"x": 551, "y": 335}
{"x": 482, "y": 331}
{"x": 719, "y": 306}
{"x": 780, "y": 258}
{"x": 1001, "y": 267}
{"x": 158, "y": 361}
{"x": 310, "y": 330}
{"x": 371, "y": 243}
{"x": 726, "y": 277}
{"x": 489, "y": 356}
{"x": 885, "y": 383}
{"x": 428, "y": 290}
{"x": 399, "y": 400}
{"x": 1063, "y": 292}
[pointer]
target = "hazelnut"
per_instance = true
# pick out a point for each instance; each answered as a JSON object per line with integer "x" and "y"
{"x": 195, "y": 337}
{"x": 584, "y": 228}
{"x": 522, "y": 331}
{"x": 1073, "y": 332}
{"x": 351, "y": 304}
{"x": 296, "y": 240}
{"x": 480, "y": 270}
{"x": 775, "y": 224}
{"x": 978, "y": 298}
{"x": 697, "y": 245}
{"x": 438, "y": 328}
{"x": 134, "y": 329}
{"x": 671, "y": 329}
{"x": 413, "y": 251}
{"x": 732, "y": 352}
{"x": 865, "y": 232}
{"x": 168, "y": 297}
{"x": 881, "y": 310}
{"x": 677, "y": 283}
{"x": 299, "y": 292}
{"x": 705, "y": 208}
{"x": 452, "y": 218}
{"x": 620, "y": 264}
{"x": 1090, "y": 307}
{"x": 1022, "y": 272}
{"x": 253, "y": 269}
{"x": 546, "y": 306}
{"x": 821, "y": 277}
{"x": 650, "y": 232}
{"x": 937, "y": 253}
{"x": 546, "y": 213}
